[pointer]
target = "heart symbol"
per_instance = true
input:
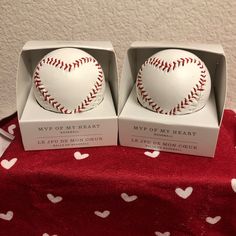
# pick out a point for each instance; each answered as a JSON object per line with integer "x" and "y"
{"x": 54, "y": 199}
{"x": 79, "y": 156}
{"x": 128, "y": 198}
{"x": 8, "y": 164}
{"x": 73, "y": 70}
{"x": 162, "y": 234}
{"x": 153, "y": 154}
{"x": 184, "y": 193}
{"x": 233, "y": 184}
{"x": 170, "y": 69}
{"x": 213, "y": 220}
{"x": 8, "y": 216}
{"x": 11, "y": 129}
{"x": 103, "y": 214}
{"x": 46, "y": 234}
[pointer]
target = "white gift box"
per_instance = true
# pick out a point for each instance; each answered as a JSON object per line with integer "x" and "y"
{"x": 43, "y": 129}
{"x": 194, "y": 133}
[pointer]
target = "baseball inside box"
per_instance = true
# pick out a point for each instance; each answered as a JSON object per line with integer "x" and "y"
{"x": 45, "y": 129}
{"x": 195, "y": 133}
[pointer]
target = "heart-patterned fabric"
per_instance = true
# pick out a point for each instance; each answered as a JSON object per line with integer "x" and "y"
{"x": 118, "y": 191}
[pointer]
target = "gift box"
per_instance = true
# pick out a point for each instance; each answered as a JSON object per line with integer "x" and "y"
{"x": 44, "y": 129}
{"x": 194, "y": 133}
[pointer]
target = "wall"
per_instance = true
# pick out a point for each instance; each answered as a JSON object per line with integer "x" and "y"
{"x": 208, "y": 21}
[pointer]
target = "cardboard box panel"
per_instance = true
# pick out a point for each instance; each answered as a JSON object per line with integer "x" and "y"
{"x": 43, "y": 129}
{"x": 195, "y": 133}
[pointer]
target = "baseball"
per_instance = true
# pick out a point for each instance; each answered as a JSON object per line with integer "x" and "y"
{"x": 173, "y": 82}
{"x": 68, "y": 80}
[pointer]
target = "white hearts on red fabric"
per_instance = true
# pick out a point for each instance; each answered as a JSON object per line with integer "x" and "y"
{"x": 102, "y": 214}
{"x": 184, "y": 193}
{"x": 213, "y": 220}
{"x": 6, "y": 216}
{"x": 128, "y": 198}
{"x": 153, "y": 154}
{"x": 80, "y": 156}
{"x": 8, "y": 164}
{"x": 233, "y": 184}
{"x": 162, "y": 234}
{"x": 54, "y": 199}
{"x": 11, "y": 128}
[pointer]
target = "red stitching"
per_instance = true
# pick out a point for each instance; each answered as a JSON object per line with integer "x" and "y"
{"x": 68, "y": 67}
{"x": 55, "y": 61}
{"x": 162, "y": 65}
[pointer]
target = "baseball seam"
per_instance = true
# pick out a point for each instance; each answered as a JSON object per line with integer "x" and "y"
{"x": 194, "y": 94}
{"x": 68, "y": 67}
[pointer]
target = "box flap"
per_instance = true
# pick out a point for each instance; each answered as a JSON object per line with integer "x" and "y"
{"x": 31, "y": 45}
{"x": 214, "y": 48}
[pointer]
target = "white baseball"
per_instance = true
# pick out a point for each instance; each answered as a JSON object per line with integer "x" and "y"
{"x": 173, "y": 82}
{"x": 68, "y": 80}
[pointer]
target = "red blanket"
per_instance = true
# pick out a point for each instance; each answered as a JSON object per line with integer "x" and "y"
{"x": 113, "y": 191}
